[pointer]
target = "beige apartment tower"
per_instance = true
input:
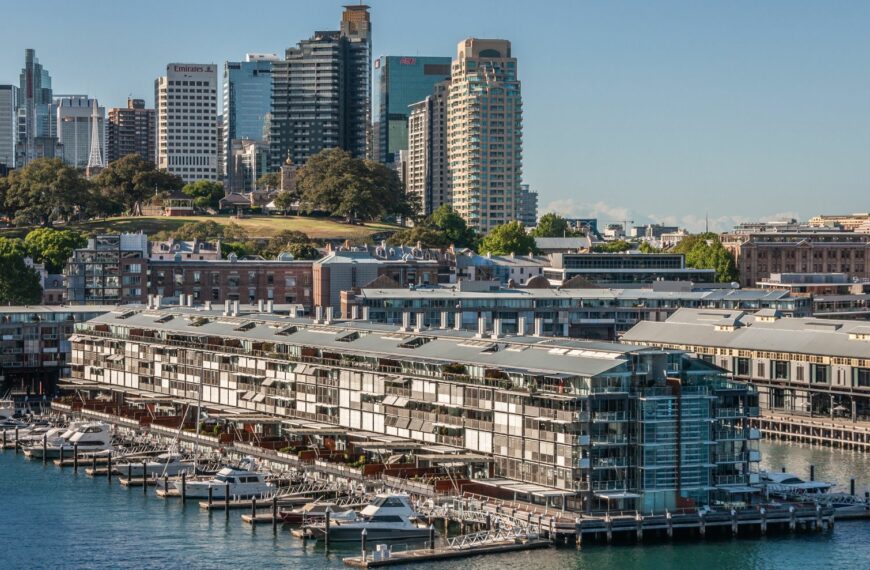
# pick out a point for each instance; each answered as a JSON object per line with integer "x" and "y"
{"x": 427, "y": 175}
{"x": 484, "y": 133}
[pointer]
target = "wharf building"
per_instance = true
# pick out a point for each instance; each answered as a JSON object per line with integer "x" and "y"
{"x": 609, "y": 425}
{"x": 247, "y": 92}
{"x": 758, "y": 254}
{"x": 624, "y": 269}
{"x": 833, "y": 294}
{"x": 187, "y": 122}
{"x": 485, "y": 133}
{"x": 321, "y": 93}
{"x": 801, "y": 366}
{"x": 8, "y": 124}
{"x": 132, "y": 130}
{"x": 402, "y": 81}
{"x": 35, "y": 348}
{"x": 489, "y": 309}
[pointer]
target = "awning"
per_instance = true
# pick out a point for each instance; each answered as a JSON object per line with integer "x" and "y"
{"x": 616, "y": 495}
{"x": 268, "y": 381}
{"x": 259, "y": 398}
{"x": 402, "y": 423}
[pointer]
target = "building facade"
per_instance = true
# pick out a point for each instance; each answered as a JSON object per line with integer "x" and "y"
{"x": 527, "y": 206}
{"x": 757, "y": 255}
{"x": 484, "y": 133}
{"x": 426, "y": 173}
{"x": 8, "y": 124}
{"x": 37, "y": 130}
{"x": 615, "y": 426}
{"x": 321, "y": 93}
{"x": 187, "y": 130}
{"x": 132, "y": 130}
{"x": 800, "y": 366}
{"x": 247, "y": 102}
{"x": 401, "y": 82}
{"x": 624, "y": 269}
{"x": 248, "y": 160}
{"x": 75, "y": 122}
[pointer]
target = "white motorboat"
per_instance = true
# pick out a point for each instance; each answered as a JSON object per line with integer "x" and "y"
{"x": 241, "y": 484}
{"x": 89, "y": 438}
{"x": 786, "y": 485}
{"x": 387, "y": 518}
{"x": 170, "y": 464}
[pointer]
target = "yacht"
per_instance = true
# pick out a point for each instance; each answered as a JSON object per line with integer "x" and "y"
{"x": 7, "y": 416}
{"x": 93, "y": 437}
{"x": 387, "y": 518}
{"x": 170, "y": 464}
{"x": 243, "y": 484}
{"x": 316, "y": 511}
{"x": 787, "y": 485}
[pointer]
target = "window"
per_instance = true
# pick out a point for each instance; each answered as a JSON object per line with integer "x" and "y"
{"x": 290, "y": 281}
{"x": 780, "y": 370}
{"x": 760, "y": 370}
{"x": 862, "y": 377}
{"x": 820, "y": 373}
{"x": 742, "y": 367}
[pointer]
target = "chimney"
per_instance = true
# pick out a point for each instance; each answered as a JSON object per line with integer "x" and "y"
{"x": 227, "y": 307}
{"x": 418, "y": 325}
{"x": 190, "y": 300}
{"x": 181, "y": 299}
{"x": 259, "y": 305}
{"x": 365, "y": 313}
{"x": 318, "y": 314}
{"x": 327, "y": 315}
{"x": 150, "y": 304}
{"x": 521, "y": 326}
{"x": 270, "y": 306}
{"x": 354, "y": 312}
{"x": 406, "y": 321}
{"x": 208, "y": 305}
{"x": 539, "y": 326}
{"x": 457, "y": 321}
{"x": 481, "y": 326}
{"x": 445, "y": 320}
{"x": 235, "y": 308}
{"x": 158, "y": 300}
{"x": 496, "y": 328}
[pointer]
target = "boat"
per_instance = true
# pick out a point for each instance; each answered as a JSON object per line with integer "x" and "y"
{"x": 316, "y": 511}
{"x": 242, "y": 483}
{"x": 170, "y": 463}
{"x": 786, "y": 485}
{"x": 387, "y": 518}
{"x": 8, "y": 419}
{"x": 91, "y": 438}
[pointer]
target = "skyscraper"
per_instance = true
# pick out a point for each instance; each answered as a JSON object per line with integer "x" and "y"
{"x": 484, "y": 133}
{"x": 247, "y": 101}
{"x": 321, "y": 94}
{"x": 74, "y": 126}
{"x": 426, "y": 172}
{"x": 527, "y": 206}
{"x": 402, "y": 81}
{"x": 187, "y": 139}
{"x": 8, "y": 127}
{"x": 36, "y": 123}
{"x": 131, "y": 130}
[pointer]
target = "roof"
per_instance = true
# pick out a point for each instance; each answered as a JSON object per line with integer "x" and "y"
{"x": 698, "y": 327}
{"x": 562, "y": 242}
{"x": 42, "y": 309}
{"x": 546, "y": 356}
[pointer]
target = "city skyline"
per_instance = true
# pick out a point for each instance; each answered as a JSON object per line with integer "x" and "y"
{"x": 656, "y": 113}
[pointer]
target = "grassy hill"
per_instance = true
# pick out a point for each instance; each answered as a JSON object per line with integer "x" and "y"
{"x": 256, "y": 226}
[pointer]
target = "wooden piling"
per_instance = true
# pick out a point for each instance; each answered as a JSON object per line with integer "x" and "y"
{"x": 61, "y": 453}
{"x": 275, "y": 513}
{"x": 16, "y": 441}
{"x": 431, "y": 537}
{"x": 184, "y": 487}
{"x": 254, "y": 508}
{"x": 210, "y": 495}
{"x": 108, "y": 467}
{"x": 227, "y": 499}
{"x": 144, "y": 476}
{"x": 44, "y": 448}
{"x": 75, "y": 458}
{"x": 326, "y": 529}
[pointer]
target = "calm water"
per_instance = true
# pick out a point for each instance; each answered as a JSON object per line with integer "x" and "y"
{"x": 55, "y": 519}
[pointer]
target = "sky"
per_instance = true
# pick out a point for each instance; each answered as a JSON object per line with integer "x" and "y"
{"x": 663, "y": 111}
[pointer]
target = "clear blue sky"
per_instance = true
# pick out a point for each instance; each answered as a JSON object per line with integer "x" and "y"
{"x": 641, "y": 110}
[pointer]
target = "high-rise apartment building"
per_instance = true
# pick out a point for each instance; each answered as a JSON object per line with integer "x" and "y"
{"x": 8, "y": 124}
{"x": 131, "y": 130}
{"x": 401, "y": 82}
{"x": 527, "y": 206}
{"x": 37, "y": 129}
{"x": 247, "y": 101}
{"x": 187, "y": 130}
{"x": 74, "y": 124}
{"x": 484, "y": 133}
{"x": 426, "y": 172}
{"x": 321, "y": 94}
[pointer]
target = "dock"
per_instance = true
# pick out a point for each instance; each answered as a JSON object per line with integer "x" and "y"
{"x": 830, "y": 432}
{"x": 424, "y": 555}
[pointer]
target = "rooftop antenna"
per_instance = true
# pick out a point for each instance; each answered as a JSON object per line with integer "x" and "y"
{"x": 706, "y": 222}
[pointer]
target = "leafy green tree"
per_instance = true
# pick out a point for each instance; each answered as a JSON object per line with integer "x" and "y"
{"x": 616, "y": 246}
{"x": 205, "y": 193}
{"x": 645, "y": 247}
{"x": 454, "y": 227}
{"x": 282, "y": 241}
{"x": 285, "y": 200}
{"x": 202, "y": 231}
{"x": 303, "y": 251}
{"x": 508, "y": 238}
{"x": 131, "y": 180}
{"x": 428, "y": 236}
{"x": 19, "y": 284}
{"x": 553, "y": 225}
{"x": 45, "y": 191}
{"x": 53, "y": 247}
{"x": 271, "y": 180}
{"x": 335, "y": 182}
{"x": 241, "y": 249}
{"x": 705, "y": 251}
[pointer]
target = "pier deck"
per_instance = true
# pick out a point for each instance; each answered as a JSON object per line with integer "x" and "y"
{"x": 433, "y": 555}
{"x": 831, "y": 432}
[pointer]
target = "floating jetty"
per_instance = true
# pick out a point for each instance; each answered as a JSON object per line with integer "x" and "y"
{"x": 419, "y": 556}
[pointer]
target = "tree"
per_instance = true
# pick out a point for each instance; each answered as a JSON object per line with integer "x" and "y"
{"x": 508, "y": 238}
{"x": 202, "y": 231}
{"x": 335, "y": 182}
{"x": 205, "y": 193}
{"x": 271, "y": 180}
{"x": 428, "y": 236}
{"x": 53, "y": 247}
{"x": 19, "y": 284}
{"x": 282, "y": 241}
{"x": 131, "y": 180}
{"x": 553, "y": 225}
{"x": 645, "y": 247}
{"x": 454, "y": 227}
{"x": 45, "y": 191}
{"x": 285, "y": 200}
{"x": 705, "y": 251}
{"x": 616, "y": 246}
{"x": 303, "y": 251}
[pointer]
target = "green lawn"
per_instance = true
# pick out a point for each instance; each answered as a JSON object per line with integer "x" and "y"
{"x": 256, "y": 226}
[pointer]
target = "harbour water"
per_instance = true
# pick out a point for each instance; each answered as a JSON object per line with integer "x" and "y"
{"x": 56, "y": 519}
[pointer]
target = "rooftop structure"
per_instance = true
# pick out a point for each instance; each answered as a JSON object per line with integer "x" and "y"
{"x": 630, "y": 269}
